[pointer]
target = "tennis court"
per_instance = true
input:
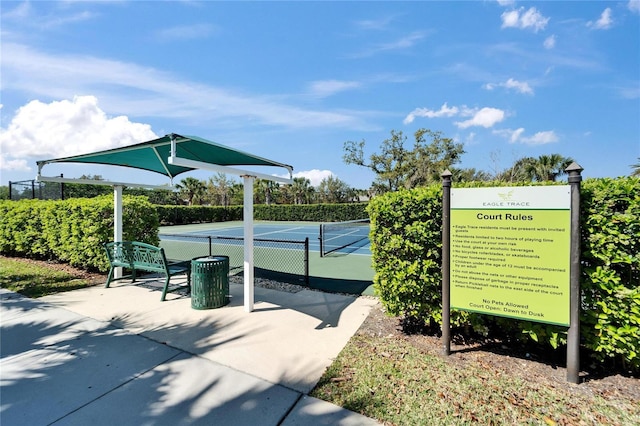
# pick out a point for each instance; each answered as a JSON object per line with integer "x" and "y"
{"x": 279, "y": 252}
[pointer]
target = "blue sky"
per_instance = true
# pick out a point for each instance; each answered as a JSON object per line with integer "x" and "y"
{"x": 292, "y": 81}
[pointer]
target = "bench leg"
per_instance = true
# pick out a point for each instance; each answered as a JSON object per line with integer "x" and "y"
{"x": 109, "y": 277}
{"x": 166, "y": 288}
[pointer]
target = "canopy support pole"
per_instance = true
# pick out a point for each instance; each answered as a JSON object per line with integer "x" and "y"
{"x": 117, "y": 221}
{"x": 248, "y": 243}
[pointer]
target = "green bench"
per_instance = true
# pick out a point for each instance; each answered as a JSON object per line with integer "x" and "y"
{"x": 136, "y": 256}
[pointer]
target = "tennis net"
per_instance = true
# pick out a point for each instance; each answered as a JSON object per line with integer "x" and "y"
{"x": 336, "y": 236}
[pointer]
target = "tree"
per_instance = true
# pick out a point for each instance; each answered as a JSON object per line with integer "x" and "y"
{"x": 549, "y": 167}
{"x": 543, "y": 168}
{"x": 192, "y": 190}
{"x": 398, "y": 167}
{"x": 519, "y": 172}
{"x": 430, "y": 159}
{"x": 237, "y": 193}
{"x": 302, "y": 190}
{"x": 265, "y": 190}
{"x": 157, "y": 196}
{"x": 220, "y": 190}
{"x": 390, "y": 166}
{"x": 80, "y": 190}
{"x": 636, "y": 168}
{"x": 469, "y": 175}
{"x": 333, "y": 190}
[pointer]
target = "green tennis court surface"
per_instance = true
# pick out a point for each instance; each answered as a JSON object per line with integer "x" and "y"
{"x": 276, "y": 254}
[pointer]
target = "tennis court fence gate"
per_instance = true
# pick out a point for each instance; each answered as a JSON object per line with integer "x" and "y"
{"x": 280, "y": 260}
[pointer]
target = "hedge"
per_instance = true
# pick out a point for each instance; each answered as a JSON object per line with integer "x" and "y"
{"x": 311, "y": 212}
{"x": 182, "y": 215}
{"x": 73, "y": 230}
{"x": 406, "y": 244}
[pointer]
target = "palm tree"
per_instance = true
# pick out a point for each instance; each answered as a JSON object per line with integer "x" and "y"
{"x": 192, "y": 189}
{"x": 543, "y": 168}
{"x": 302, "y": 190}
{"x": 266, "y": 188}
{"x": 521, "y": 171}
{"x": 550, "y": 167}
{"x": 636, "y": 168}
{"x": 469, "y": 175}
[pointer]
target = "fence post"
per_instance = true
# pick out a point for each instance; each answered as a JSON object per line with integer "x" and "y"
{"x": 573, "y": 335}
{"x": 446, "y": 237}
{"x": 306, "y": 261}
{"x": 61, "y": 188}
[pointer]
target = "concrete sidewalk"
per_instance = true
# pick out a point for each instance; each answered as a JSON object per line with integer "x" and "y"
{"x": 120, "y": 356}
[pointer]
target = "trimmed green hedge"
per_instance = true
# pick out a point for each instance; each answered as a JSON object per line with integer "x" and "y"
{"x": 311, "y": 212}
{"x": 73, "y": 230}
{"x": 406, "y": 244}
{"x": 182, "y": 215}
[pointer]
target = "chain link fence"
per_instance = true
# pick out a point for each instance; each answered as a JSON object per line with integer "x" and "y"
{"x": 281, "y": 260}
{"x": 35, "y": 190}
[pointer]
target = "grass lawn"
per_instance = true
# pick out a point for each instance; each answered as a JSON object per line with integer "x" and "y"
{"x": 401, "y": 380}
{"x": 36, "y": 279}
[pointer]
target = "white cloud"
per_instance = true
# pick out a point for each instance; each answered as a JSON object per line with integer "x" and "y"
{"x": 402, "y": 43}
{"x": 14, "y": 165}
{"x": 470, "y": 139}
{"x": 506, "y": 2}
{"x": 529, "y": 19}
{"x": 315, "y": 176}
{"x": 541, "y": 138}
{"x": 634, "y": 6}
{"x": 485, "y": 117}
{"x": 374, "y": 24}
{"x": 510, "y": 19}
{"x": 186, "y": 32}
{"x": 326, "y": 88}
{"x": 518, "y": 86}
{"x": 549, "y": 42}
{"x": 28, "y": 16}
{"x": 517, "y": 136}
{"x": 136, "y": 90}
{"x": 444, "y": 111}
{"x": 630, "y": 92}
{"x": 604, "y": 22}
{"x": 64, "y": 128}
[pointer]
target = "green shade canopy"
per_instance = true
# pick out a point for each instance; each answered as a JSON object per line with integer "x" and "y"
{"x": 154, "y": 155}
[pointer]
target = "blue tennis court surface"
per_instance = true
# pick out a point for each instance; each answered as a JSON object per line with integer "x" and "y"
{"x": 280, "y": 231}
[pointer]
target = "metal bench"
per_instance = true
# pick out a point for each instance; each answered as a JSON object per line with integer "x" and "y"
{"x": 136, "y": 256}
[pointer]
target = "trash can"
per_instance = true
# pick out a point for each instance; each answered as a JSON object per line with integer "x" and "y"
{"x": 209, "y": 282}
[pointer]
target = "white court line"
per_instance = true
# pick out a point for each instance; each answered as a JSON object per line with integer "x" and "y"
{"x": 281, "y": 231}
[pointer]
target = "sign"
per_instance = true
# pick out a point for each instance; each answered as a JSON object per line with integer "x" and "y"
{"x": 510, "y": 252}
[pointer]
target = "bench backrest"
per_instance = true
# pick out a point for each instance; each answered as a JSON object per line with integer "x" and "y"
{"x": 132, "y": 254}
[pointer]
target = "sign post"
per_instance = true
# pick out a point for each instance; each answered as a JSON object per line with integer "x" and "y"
{"x": 573, "y": 336}
{"x": 446, "y": 253}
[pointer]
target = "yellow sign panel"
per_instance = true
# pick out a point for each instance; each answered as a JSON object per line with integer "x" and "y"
{"x": 510, "y": 254}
